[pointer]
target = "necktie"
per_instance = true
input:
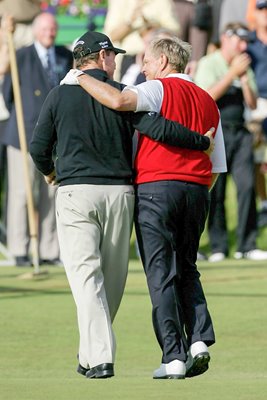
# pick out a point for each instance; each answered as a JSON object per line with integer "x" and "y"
{"x": 51, "y": 74}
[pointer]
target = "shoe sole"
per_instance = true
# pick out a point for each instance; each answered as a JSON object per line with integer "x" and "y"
{"x": 100, "y": 375}
{"x": 82, "y": 370}
{"x": 169, "y": 377}
{"x": 199, "y": 366}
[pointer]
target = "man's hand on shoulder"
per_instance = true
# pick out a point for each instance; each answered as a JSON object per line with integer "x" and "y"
{"x": 72, "y": 77}
{"x": 209, "y": 134}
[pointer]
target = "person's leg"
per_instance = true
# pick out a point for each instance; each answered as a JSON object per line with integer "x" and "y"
{"x": 217, "y": 227}
{"x": 157, "y": 205}
{"x": 115, "y": 245}
{"x": 260, "y": 181}
{"x": 3, "y": 189}
{"x": 198, "y": 324}
{"x": 199, "y": 39}
{"x": 17, "y": 219}
{"x": 170, "y": 217}
{"x": 79, "y": 210}
{"x": 184, "y": 12}
{"x": 256, "y": 126}
{"x": 244, "y": 178}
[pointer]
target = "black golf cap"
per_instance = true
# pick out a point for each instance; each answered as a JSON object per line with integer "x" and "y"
{"x": 260, "y": 4}
{"x": 93, "y": 42}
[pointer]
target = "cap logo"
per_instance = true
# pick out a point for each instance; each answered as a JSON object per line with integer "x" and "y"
{"x": 80, "y": 42}
{"x": 103, "y": 45}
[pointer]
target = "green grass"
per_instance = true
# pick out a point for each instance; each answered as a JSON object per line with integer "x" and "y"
{"x": 39, "y": 339}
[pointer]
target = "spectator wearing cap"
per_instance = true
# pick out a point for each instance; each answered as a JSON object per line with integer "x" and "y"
{"x": 257, "y": 49}
{"x": 227, "y": 76}
{"x": 95, "y": 199}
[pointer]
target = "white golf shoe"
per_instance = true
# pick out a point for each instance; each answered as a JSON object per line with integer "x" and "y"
{"x": 253, "y": 255}
{"x": 173, "y": 370}
{"x": 198, "y": 359}
{"x": 256, "y": 255}
{"x": 216, "y": 257}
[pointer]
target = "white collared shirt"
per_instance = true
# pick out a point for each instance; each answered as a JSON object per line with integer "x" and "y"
{"x": 42, "y": 54}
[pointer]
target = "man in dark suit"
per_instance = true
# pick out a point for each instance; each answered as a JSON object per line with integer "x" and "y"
{"x": 41, "y": 66}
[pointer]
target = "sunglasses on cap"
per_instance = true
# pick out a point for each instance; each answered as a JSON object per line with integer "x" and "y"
{"x": 242, "y": 33}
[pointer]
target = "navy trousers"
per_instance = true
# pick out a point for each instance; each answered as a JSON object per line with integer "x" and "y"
{"x": 169, "y": 219}
{"x": 240, "y": 163}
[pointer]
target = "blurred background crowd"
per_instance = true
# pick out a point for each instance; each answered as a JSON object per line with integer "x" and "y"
{"x": 229, "y": 60}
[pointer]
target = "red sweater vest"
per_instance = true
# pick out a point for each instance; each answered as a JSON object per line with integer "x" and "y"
{"x": 188, "y": 104}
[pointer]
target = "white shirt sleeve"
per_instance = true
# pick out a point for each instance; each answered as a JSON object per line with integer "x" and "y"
{"x": 149, "y": 95}
{"x": 218, "y": 157}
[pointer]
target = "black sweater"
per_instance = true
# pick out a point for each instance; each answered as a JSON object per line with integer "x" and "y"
{"x": 93, "y": 144}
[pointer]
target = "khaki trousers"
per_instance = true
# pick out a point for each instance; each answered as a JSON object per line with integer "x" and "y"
{"x": 94, "y": 228}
